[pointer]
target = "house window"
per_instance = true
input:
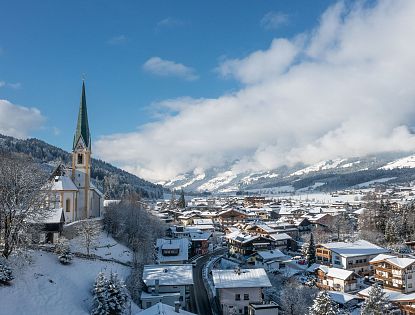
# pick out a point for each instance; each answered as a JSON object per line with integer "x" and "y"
{"x": 68, "y": 205}
{"x": 237, "y": 297}
{"x": 80, "y": 158}
{"x": 148, "y": 304}
{"x": 246, "y": 297}
{"x": 409, "y": 285}
{"x": 410, "y": 276}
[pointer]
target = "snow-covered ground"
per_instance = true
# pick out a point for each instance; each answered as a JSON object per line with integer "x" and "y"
{"x": 323, "y": 165}
{"x": 220, "y": 180}
{"x": 47, "y": 287}
{"x": 406, "y": 162}
{"x": 375, "y": 181}
{"x": 106, "y": 247}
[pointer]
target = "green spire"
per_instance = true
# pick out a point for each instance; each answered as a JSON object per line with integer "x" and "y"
{"x": 82, "y": 128}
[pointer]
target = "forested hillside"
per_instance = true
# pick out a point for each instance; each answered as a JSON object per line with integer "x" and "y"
{"x": 113, "y": 181}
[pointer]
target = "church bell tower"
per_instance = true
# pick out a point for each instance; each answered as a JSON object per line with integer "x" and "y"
{"x": 81, "y": 160}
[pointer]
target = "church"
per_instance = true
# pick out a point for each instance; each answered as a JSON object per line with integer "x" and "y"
{"x": 73, "y": 195}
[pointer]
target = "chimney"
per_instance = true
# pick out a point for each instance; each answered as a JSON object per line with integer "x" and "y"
{"x": 177, "y": 307}
{"x": 157, "y": 286}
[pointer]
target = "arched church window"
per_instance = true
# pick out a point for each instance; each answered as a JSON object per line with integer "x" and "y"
{"x": 68, "y": 205}
{"x": 80, "y": 158}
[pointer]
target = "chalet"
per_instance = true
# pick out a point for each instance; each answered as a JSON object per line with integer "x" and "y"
{"x": 283, "y": 241}
{"x": 351, "y": 256}
{"x": 395, "y": 273}
{"x": 172, "y": 251}
{"x": 199, "y": 243}
{"x": 270, "y": 260}
{"x": 230, "y": 217}
{"x": 336, "y": 279}
{"x": 236, "y": 289}
{"x": 245, "y": 244}
{"x": 167, "y": 284}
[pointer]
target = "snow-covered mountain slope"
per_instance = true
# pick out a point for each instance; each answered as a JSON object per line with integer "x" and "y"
{"x": 406, "y": 162}
{"x": 328, "y": 174}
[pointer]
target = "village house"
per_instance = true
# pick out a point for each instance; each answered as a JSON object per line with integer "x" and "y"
{"x": 246, "y": 244}
{"x": 236, "y": 289}
{"x": 172, "y": 250}
{"x": 395, "y": 273}
{"x": 270, "y": 260}
{"x": 230, "y": 217}
{"x": 353, "y": 256}
{"x": 167, "y": 284}
{"x": 336, "y": 279}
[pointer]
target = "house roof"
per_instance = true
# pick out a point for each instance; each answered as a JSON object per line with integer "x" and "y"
{"x": 55, "y": 216}
{"x": 63, "y": 183}
{"x": 339, "y": 273}
{"x": 168, "y": 274}
{"x": 280, "y": 236}
{"x": 176, "y": 243}
{"x": 162, "y": 309}
{"x": 271, "y": 254}
{"x": 399, "y": 262}
{"x": 340, "y": 297}
{"x": 357, "y": 248}
{"x": 246, "y": 278}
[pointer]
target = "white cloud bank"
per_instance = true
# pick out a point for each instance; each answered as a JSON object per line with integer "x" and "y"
{"x": 273, "y": 20}
{"x": 18, "y": 121}
{"x": 343, "y": 89}
{"x": 167, "y": 68}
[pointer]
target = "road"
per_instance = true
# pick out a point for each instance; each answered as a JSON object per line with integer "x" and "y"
{"x": 200, "y": 299}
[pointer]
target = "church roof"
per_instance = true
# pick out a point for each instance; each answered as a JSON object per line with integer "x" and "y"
{"x": 82, "y": 128}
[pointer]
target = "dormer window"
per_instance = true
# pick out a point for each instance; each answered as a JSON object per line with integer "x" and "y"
{"x": 80, "y": 158}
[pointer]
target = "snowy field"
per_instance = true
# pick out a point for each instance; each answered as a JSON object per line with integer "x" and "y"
{"x": 45, "y": 286}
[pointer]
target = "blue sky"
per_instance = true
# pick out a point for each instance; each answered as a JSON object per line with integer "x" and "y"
{"x": 47, "y": 45}
{"x": 184, "y": 86}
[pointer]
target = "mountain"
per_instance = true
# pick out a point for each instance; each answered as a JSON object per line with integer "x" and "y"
{"x": 113, "y": 181}
{"x": 326, "y": 175}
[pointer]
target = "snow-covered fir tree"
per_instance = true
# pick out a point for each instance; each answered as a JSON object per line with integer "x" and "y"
{"x": 110, "y": 295}
{"x": 116, "y": 295}
{"x": 100, "y": 295}
{"x": 311, "y": 252}
{"x": 376, "y": 303}
{"x": 5, "y": 274}
{"x": 323, "y": 305}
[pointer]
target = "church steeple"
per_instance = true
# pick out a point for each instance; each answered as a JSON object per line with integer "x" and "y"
{"x": 82, "y": 128}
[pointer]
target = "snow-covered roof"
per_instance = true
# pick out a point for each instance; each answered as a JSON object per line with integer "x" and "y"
{"x": 54, "y": 216}
{"x": 245, "y": 278}
{"x": 393, "y": 296}
{"x": 340, "y": 297}
{"x": 203, "y": 221}
{"x": 63, "y": 183}
{"x": 280, "y": 236}
{"x": 399, "y": 262}
{"x": 339, "y": 273}
{"x": 200, "y": 236}
{"x": 162, "y": 309}
{"x": 241, "y": 237}
{"x": 357, "y": 248}
{"x": 168, "y": 274}
{"x": 271, "y": 254}
{"x": 182, "y": 244}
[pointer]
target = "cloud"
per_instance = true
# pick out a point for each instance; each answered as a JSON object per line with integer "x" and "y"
{"x": 167, "y": 68}
{"x": 18, "y": 121}
{"x": 274, "y": 20}
{"x": 343, "y": 89}
{"x": 117, "y": 40}
{"x": 169, "y": 22}
{"x": 14, "y": 86}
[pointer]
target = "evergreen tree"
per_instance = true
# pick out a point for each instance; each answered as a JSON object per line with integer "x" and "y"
{"x": 311, "y": 252}
{"x": 376, "y": 303}
{"x": 182, "y": 201}
{"x": 5, "y": 274}
{"x": 100, "y": 295}
{"x": 323, "y": 305}
{"x": 116, "y": 295}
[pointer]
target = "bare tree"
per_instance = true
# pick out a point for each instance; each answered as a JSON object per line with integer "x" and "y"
{"x": 89, "y": 231}
{"x": 23, "y": 192}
